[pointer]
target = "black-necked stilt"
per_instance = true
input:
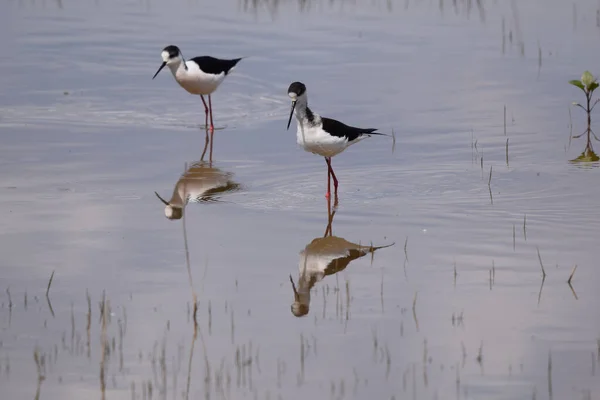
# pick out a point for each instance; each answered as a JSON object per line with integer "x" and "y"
{"x": 201, "y": 182}
{"x": 198, "y": 75}
{"x": 323, "y": 136}
{"x": 323, "y": 256}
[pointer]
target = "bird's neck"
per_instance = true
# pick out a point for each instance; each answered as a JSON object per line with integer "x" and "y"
{"x": 303, "y": 113}
{"x": 178, "y": 67}
{"x": 305, "y": 284}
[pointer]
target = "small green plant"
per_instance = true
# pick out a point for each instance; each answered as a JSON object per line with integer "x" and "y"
{"x": 587, "y": 84}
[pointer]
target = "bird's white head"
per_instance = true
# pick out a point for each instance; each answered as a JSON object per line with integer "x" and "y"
{"x": 297, "y": 92}
{"x": 171, "y": 211}
{"x": 299, "y": 309}
{"x": 171, "y": 56}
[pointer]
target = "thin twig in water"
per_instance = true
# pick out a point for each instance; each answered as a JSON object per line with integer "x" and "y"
{"x": 569, "y": 283}
{"x": 189, "y": 375}
{"x": 414, "y": 310}
{"x": 541, "y": 264}
{"x": 189, "y": 269}
{"x": 48, "y": 291}
{"x": 455, "y": 274}
{"x": 49, "y": 283}
{"x": 541, "y": 288}
{"x": 572, "y": 273}
{"x": 103, "y": 348}
{"x": 507, "y": 152}
{"x": 490, "y": 178}
{"x": 405, "y": 245}
{"x": 393, "y": 141}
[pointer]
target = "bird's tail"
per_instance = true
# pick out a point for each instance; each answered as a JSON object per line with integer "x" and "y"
{"x": 376, "y": 133}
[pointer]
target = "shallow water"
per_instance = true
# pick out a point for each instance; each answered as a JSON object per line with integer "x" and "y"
{"x": 456, "y": 308}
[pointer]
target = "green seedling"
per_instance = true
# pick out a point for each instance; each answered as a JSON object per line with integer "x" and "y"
{"x": 587, "y": 84}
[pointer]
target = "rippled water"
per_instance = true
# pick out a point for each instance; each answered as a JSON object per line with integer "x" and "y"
{"x": 456, "y": 308}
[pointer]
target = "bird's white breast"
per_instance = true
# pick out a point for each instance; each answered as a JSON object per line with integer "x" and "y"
{"x": 194, "y": 186}
{"x": 315, "y": 140}
{"x": 314, "y": 264}
{"x": 196, "y": 81}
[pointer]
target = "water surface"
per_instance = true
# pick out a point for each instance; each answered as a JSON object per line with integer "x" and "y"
{"x": 456, "y": 308}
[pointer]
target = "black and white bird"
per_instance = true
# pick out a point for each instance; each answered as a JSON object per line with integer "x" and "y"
{"x": 198, "y": 75}
{"x": 322, "y": 136}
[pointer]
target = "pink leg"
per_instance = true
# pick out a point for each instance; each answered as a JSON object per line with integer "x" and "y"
{"x": 329, "y": 220}
{"x": 328, "y": 194}
{"x": 205, "y": 111}
{"x": 212, "y": 140}
{"x": 205, "y": 146}
{"x": 335, "y": 181}
{"x": 212, "y": 126}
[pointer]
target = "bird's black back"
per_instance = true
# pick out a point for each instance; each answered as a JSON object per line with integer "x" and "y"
{"x": 212, "y": 65}
{"x": 336, "y": 128}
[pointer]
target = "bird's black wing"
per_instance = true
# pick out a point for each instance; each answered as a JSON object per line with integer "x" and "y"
{"x": 336, "y": 128}
{"x": 339, "y": 264}
{"x": 216, "y": 66}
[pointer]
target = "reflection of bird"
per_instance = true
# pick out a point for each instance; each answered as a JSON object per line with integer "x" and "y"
{"x": 201, "y": 182}
{"x": 323, "y": 256}
{"x": 199, "y": 75}
{"x": 322, "y": 136}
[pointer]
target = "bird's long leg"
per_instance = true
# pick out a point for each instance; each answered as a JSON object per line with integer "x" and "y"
{"x": 330, "y": 215}
{"x": 205, "y": 111}
{"x": 205, "y": 145}
{"x": 212, "y": 126}
{"x": 328, "y": 194}
{"x": 328, "y": 228}
{"x": 335, "y": 181}
{"x": 212, "y": 140}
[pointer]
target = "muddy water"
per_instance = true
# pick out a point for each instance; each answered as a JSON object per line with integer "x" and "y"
{"x": 456, "y": 308}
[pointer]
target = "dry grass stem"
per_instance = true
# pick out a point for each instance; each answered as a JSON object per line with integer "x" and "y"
{"x": 47, "y": 293}
{"x": 414, "y": 310}
{"x": 572, "y": 273}
{"x": 541, "y": 264}
{"x": 49, "y": 283}
{"x": 189, "y": 270}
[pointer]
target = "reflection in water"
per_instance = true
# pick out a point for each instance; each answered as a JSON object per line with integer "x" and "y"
{"x": 588, "y": 156}
{"x": 460, "y": 7}
{"x": 200, "y": 182}
{"x": 324, "y": 256}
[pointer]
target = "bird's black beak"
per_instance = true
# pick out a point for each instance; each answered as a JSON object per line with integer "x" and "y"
{"x": 296, "y": 295}
{"x": 291, "y": 113}
{"x": 158, "y": 195}
{"x": 161, "y": 67}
